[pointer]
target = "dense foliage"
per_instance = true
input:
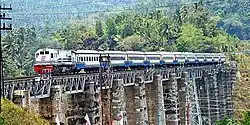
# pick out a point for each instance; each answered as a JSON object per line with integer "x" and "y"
{"x": 245, "y": 120}
{"x": 192, "y": 29}
{"x": 234, "y": 15}
{"x": 14, "y": 115}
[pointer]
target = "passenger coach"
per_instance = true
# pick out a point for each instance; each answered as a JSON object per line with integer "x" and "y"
{"x": 66, "y": 61}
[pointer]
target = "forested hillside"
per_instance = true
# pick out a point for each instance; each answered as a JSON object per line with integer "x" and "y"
{"x": 192, "y": 28}
{"x": 234, "y": 15}
{"x": 143, "y": 25}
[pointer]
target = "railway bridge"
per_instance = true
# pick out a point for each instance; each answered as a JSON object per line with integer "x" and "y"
{"x": 178, "y": 95}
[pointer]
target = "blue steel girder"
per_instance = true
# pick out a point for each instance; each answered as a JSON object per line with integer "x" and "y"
{"x": 76, "y": 83}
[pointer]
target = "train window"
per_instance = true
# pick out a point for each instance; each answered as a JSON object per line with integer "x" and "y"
{"x": 37, "y": 54}
{"x": 41, "y": 52}
{"x": 87, "y": 59}
{"x": 191, "y": 57}
{"x": 167, "y": 58}
{"x": 182, "y": 57}
{"x": 153, "y": 58}
{"x": 136, "y": 58}
{"x": 46, "y": 52}
{"x": 82, "y": 59}
{"x": 117, "y": 58}
{"x": 51, "y": 55}
{"x": 97, "y": 58}
{"x": 55, "y": 55}
{"x": 200, "y": 57}
{"x": 92, "y": 58}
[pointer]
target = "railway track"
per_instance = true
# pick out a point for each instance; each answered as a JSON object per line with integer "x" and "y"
{"x": 18, "y": 78}
{"x": 6, "y": 79}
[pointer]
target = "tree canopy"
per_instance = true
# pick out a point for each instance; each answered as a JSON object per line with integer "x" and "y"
{"x": 192, "y": 28}
{"x": 15, "y": 115}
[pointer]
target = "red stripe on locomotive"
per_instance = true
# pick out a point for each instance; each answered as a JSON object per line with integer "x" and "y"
{"x": 40, "y": 69}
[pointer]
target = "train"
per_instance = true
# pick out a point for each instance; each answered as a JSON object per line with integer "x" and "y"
{"x": 56, "y": 61}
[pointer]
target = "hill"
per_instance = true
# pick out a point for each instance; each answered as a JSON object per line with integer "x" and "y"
{"x": 234, "y": 14}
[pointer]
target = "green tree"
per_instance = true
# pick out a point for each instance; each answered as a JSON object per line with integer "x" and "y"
{"x": 245, "y": 120}
{"x": 111, "y": 28}
{"x": 227, "y": 121}
{"x": 15, "y": 115}
{"x": 127, "y": 30}
{"x": 131, "y": 43}
{"x": 19, "y": 47}
{"x": 99, "y": 28}
{"x": 190, "y": 38}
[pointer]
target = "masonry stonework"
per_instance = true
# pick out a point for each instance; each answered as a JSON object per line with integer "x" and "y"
{"x": 160, "y": 99}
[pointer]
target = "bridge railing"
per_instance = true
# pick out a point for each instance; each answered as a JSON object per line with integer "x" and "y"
{"x": 40, "y": 88}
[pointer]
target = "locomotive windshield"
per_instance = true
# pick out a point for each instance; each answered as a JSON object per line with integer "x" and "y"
{"x": 41, "y": 52}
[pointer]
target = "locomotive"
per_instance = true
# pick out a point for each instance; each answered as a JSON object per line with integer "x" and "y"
{"x": 74, "y": 61}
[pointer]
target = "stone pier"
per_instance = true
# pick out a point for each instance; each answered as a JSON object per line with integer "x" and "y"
{"x": 155, "y": 101}
{"x": 140, "y": 102}
{"x": 183, "y": 97}
{"x": 171, "y": 101}
{"x": 118, "y": 102}
{"x": 90, "y": 104}
{"x": 130, "y": 102}
{"x": 142, "y": 98}
{"x": 213, "y": 94}
{"x": 204, "y": 97}
{"x": 58, "y": 113}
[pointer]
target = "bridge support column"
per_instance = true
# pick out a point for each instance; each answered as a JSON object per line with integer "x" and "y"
{"x": 230, "y": 75}
{"x": 136, "y": 105}
{"x": 213, "y": 93}
{"x": 204, "y": 98}
{"x": 106, "y": 106}
{"x": 118, "y": 105}
{"x": 222, "y": 96}
{"x": 183, "y": 98}
{"x": 155, "y": 102}
{"x": 90, "y": 104}
{"x": 56, "y": 104}
{"x": 140, "y": 102}
{"x": 171, "y": 101}
{"x": 130, "y": 105}
{"x": 22, "y": 97}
